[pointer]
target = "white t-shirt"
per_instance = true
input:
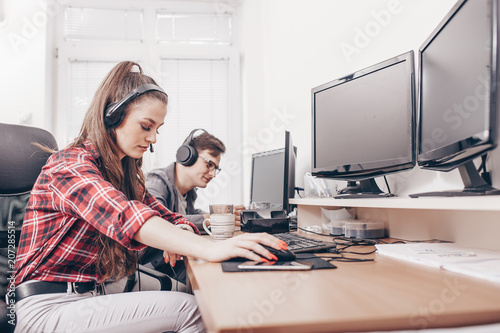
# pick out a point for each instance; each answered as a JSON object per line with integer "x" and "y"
{"x": 182, "y": 202}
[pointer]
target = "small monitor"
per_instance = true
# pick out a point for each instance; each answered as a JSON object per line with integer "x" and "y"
{"x": 458, "y": 94}
{"x": 273, "y": 176}
{"x": 363, "y": 126}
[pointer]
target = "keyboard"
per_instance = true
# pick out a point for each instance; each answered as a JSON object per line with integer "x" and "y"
{"x": 300, "y": 244}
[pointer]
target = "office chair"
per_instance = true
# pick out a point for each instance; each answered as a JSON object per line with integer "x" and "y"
{"x": 20, "y": 165}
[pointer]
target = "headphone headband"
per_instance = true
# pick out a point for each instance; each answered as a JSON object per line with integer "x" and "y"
{"x": 115, "y": 112}
{"x": 189, "y": 140}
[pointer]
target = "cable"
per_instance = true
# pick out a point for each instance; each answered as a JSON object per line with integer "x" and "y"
{"x": 138, "y": 272}
{"x": 176, "y": 280}
{"x": 298, "y": 189}
{"x": 355, "y": 241}
{"x": 346, "y": 259}
{"x": 485, "y": 175}
{"x": 359, "y": 253}
{"x": 344, "y": 243}
{"x": 313, "y": 232}
{"x": 387, "y": 184}
{"x": 396, "y": 242}
{"x": 347, "y": 242}
{"x": 404, "y": 241}
{"x": 483, "y": 163}
{"x": 370, "y": 242}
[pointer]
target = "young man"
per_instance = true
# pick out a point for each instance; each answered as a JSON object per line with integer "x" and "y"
{"x": 175, "y": 186}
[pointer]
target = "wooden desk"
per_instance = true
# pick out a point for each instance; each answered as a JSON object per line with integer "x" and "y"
{"x": 386, "y": 294}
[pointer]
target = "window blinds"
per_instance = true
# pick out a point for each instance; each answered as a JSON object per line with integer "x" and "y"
{"x": 103, "y": 24}
{"x": 209, "y": 28}
{"x": 84, "y": 79}
{"x": 198, "y": 98}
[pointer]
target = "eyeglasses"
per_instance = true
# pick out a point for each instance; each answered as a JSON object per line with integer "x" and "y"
{"x": 211, "y": 166}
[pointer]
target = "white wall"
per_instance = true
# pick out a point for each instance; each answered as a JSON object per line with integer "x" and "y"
{"x": 291, "y": 46}
{"x": 23, "y": 62}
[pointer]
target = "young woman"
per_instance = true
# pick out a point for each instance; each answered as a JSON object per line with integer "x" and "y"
{"x": 89, "y": 210}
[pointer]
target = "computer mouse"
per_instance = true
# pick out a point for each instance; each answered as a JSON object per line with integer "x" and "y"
{"x": 282, "y": 255}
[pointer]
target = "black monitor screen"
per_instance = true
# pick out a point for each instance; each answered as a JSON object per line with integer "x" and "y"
{"x": 363, "y": 124}
{"x": 455, "y": 76}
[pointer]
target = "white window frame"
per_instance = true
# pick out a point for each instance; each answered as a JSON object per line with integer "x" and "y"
{"x": 149, "y": 53}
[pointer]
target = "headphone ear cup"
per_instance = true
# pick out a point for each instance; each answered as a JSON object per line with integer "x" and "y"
{"x": 113, "y": 116}
{"x": 186, "y": 155}
{"x": 115, "y": 112}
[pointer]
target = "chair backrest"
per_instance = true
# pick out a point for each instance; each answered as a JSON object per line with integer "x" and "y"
{"x": 20, "y": 165}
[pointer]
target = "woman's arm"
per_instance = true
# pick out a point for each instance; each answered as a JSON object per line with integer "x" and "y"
{"x": 161, "y": 234}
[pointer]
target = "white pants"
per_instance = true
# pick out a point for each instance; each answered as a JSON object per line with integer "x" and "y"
{"x": 144, "y": 311}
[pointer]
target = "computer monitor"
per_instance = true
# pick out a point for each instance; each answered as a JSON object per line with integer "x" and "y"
{"x": 458, "y": 92}
{"x": 273, "y": 176}
{"x": 363, "y": 126}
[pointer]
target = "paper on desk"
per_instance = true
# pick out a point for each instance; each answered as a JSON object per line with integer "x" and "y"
{"x": 451, "y": 256}
{"x": 488, "y": 270}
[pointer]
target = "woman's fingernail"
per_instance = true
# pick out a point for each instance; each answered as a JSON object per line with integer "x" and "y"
{"x": 264, "y": 260}
{"x": 274, "y": 257}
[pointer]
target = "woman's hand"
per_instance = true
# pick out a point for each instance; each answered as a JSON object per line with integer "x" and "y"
{"x": 171, "y": 258}
{"x": 245, "y": 245}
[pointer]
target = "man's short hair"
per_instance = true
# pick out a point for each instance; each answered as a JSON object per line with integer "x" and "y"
{"x": 207, "y": 141}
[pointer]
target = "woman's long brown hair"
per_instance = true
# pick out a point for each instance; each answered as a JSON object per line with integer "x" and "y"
{"x": 115, "y": 260}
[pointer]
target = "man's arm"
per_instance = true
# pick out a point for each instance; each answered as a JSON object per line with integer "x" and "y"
{"x": 158, "y": 188}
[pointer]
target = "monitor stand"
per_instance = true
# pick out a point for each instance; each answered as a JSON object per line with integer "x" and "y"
{"x": 366, "y": 188}
{"x": 474, "y": 185}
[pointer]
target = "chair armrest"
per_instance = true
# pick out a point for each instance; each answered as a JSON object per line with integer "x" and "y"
{"x": 7, "y": 323}
{"x": 164, "y": 280}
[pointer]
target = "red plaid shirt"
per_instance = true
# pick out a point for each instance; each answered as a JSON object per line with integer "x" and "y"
{"x": 69, "y": 205}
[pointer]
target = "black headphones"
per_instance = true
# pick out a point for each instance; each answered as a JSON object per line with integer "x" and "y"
{"x": 187, "y": 154}
{"x": 115, "y": 112}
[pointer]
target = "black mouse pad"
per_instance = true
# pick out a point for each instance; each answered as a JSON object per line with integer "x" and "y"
{"x": 318, "y": 263}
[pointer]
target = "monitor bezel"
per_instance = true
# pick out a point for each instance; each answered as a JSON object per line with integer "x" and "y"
{"x": 451, "y": 156}
{"x": 372, "y": 168}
